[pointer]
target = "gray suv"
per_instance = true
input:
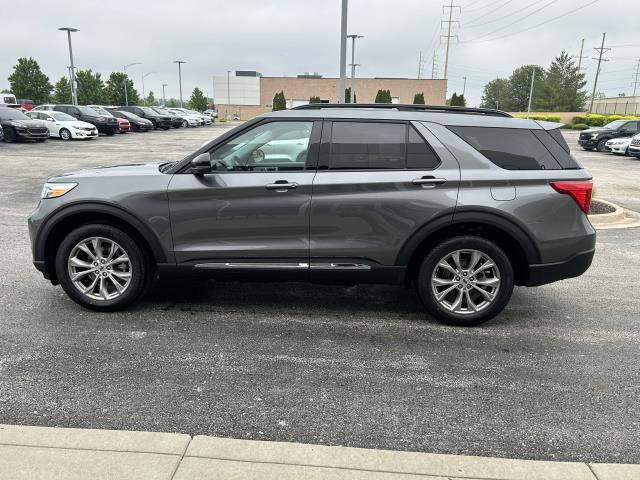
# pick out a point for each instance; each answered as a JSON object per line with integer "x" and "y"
{"x": 461, "y": 203}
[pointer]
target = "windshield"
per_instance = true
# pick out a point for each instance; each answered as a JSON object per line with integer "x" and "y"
{"x": 149, "y": 111}
{"x": 89, "y": 112}
{"x": 162, "y": 111}
{"x": 615, "y": 124}
{"x": 102, "y": 111}
{"x": 193, "y": 112}
{"x": 127, "y": 115}
{"x": 12, "y": 114}
{"x": 61, "y": 116}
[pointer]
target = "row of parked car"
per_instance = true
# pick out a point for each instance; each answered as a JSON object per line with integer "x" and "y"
{"x": 69, "y": 122}
{"x": 621, "y": 137}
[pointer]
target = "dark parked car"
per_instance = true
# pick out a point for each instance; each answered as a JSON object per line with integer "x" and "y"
{"x": 461, "y": 203}
{"x": 598, "y": 137}
{"x": 138, "y": 124}
{"x": 1, "y": 133}
{"x": 104, "y": 123}
{"x": 159, "y": 121}
{"x": 176, "y": 121}
{"x": 18, "y": 126}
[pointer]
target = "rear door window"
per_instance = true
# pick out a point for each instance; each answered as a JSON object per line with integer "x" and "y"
{"x": 378, "y": 146}
{"x": 509, "y": 148}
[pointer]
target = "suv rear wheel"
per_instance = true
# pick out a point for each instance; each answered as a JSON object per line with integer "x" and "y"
{"x": 101, "y": 267}
{"x": 465, "y": 281}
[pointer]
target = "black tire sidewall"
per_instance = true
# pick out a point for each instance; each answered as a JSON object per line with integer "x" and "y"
{"x": 601, "y": 142}
{"x": 423, "y": 283}
{"x": 139, "y": 266}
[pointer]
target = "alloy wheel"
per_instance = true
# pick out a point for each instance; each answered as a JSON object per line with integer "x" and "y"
{"x": 99, "y": 268}
{"x": 465, "y": 281}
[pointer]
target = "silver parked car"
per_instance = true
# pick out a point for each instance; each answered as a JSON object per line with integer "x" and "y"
{"x": 460, "y": 203}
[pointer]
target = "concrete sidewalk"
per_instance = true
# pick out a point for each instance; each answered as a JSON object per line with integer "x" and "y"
{"x": 39, "y": 453}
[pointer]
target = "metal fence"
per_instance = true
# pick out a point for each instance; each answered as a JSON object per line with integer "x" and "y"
{"x": 617, "y": 108}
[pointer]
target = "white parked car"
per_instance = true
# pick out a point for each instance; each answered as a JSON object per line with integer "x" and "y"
{"x": 63, "y": 125}
{"x": 204, "y": 120}
{"x": 210, "y": 113}
{"x": 188, "y": 120}
{"x": 618, "y": 146}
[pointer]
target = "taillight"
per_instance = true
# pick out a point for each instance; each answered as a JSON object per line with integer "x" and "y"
{"x": 580, "y": 191}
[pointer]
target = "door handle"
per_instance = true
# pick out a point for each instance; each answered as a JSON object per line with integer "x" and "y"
{"x": 281, "y": 186}
{"x": 428, "y": 182}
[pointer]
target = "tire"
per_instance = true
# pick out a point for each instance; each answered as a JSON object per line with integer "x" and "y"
{"x": 8, "y": 136}
{"x": 110, "y": 133}
{"x": 166, "y": 128}
{"x": 41, "y": 140}
{"x": 185, "y": 124}
{"x": 465, "y": 315}
{"x": 136, "y": 271}
{"x": 588, "y": 149}
{"x": 601, "y": 144}
{"x": 65, "y": 134}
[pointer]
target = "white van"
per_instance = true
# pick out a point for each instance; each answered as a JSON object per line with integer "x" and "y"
{"x": 8, "y": 99}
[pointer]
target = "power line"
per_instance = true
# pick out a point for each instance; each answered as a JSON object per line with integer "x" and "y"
{"x": 533, "y": 4}
{"x": 489, "y": 12}
{"x": 483, "y": 6}
{"x": 512, "y": 23}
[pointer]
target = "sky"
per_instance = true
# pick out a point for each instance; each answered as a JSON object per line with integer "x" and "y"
{"x": 290, "y": 37}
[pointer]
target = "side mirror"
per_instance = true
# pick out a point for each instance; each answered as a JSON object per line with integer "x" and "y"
{"x": 201, "y": 164}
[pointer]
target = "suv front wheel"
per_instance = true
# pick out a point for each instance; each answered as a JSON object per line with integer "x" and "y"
{"x": 101, "y": 267}
{"x": 465, "y": 281}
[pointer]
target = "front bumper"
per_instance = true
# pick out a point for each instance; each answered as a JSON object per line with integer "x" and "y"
{"x": 84, "y": 133}
{"x": 107, "y": 128}
{"x": 28, "y": 135}
{"x": 588, "y": 142}
{"x": 634, "y": 150}
{"x": 617, "y": 149}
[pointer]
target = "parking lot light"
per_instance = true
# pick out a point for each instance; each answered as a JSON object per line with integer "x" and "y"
{"x": 74, "y": 94}
{"x": 180, "y": 62}
{"x": 126, "y": 99}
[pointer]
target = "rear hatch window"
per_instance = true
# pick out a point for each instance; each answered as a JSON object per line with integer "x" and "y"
{"x": 519, "y": 149}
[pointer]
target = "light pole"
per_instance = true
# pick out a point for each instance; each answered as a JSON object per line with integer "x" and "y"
{"x": 126, "y": 99}
{"x": 74, "y": 94}
{"x": 343, "y": 50}
{"x": 226, "y": 114}
{"x": 143, "y": 94}
{"x": 164, "y": 101}
{"x": 353, "y": 65}
{"x": 180, "y": 62}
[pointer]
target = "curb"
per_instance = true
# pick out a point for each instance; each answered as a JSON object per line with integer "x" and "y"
{"x": 620, "y": 218}
{"x": 39, "y": 453}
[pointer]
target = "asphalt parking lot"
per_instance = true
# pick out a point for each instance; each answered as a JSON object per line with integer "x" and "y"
{"x": 555, "y": 376}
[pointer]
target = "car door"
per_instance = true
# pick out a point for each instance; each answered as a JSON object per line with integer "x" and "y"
{"x": 629, "y": 129}
{"x": 378, "y": 183}
{"x": 250, "y": 211}
{"x": 52, "y": 124}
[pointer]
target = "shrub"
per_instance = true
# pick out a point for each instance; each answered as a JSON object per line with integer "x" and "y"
{"x": 597, "y": 120}
{"x": 580, "y": 126}
{"x": 542, "y": 118}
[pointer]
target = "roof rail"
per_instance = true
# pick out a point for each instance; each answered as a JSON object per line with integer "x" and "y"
{"x": 406, "y": 107}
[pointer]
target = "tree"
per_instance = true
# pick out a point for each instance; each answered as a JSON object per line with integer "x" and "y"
{"x": 347, "y": 96}
{"x": 114, "y": 90}
{"x": 279, "y": 101}
{"x": 383, "y": 96}
{"x": 28, "y": 81}
{"x": 151, "y": 99}
{"x": 61, "y": 91}
{"x": 90, "y": 88}
{"x": 496, "y": 95}
{"x": 457, "y": 100}
{"x": 198, "y": 102}
{"x": 520, "y": 85}
{"x": 314, "y": 99}
{"x": 418, "y": 98}
{"x": 172, "y": 103}
{"x": 562, "y": 90}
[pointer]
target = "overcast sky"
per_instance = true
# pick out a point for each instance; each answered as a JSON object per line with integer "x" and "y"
{"x": 288, "y": 37}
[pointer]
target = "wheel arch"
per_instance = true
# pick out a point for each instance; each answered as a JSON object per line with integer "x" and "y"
{"x": 52, "y": 233}
{"x": 505, "y": 233}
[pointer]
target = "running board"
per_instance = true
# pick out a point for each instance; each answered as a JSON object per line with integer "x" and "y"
{"x": 281, "y": 266}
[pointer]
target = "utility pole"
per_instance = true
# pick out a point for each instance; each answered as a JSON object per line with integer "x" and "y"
{"x": 464, "y": 86}
{"x": 226, "y": 115}
{"x": 74, "y": 93}
{"x": 600, "y": 51}
{"x": 448, "y": 36}
{"x": 533, "y": 79}
{"x": 164, "y": 100}
{"x": 580, "y": 57}
{"x": 636, "y": 75}
{"x": 420, "y": 65}
{"x": 353, "y": 65}
{"x": 180, "y": 62}
{"x": 343, "y": 51}
{"x": 434, "y": 66}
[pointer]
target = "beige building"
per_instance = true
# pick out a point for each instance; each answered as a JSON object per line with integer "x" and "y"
{"x": 253, "y": 95}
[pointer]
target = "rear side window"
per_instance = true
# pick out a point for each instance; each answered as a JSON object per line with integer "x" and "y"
{"x": 557, "y": 146}
{"x": 509, "y": 148}
{"x": 379, "y": 146}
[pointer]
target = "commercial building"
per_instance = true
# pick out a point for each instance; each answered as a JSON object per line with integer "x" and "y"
{"x": 249, "y": 93}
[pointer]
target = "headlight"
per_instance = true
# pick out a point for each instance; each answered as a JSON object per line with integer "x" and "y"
{"x": 594, "y": 135}
{"x": 55, "y": 190}
{"x": 101, "y": 119}
{"x": 18, "y": 125}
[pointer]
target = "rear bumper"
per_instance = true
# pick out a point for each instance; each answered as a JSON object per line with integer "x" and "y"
{"x": 544, "y": 273}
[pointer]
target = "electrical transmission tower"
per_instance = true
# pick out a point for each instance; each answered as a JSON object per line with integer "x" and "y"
{"x": 636, "y": 76}
{"x": 601, "y": 51}
{"x": 420, "y": 66}
{"x": 434, "y": 66}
